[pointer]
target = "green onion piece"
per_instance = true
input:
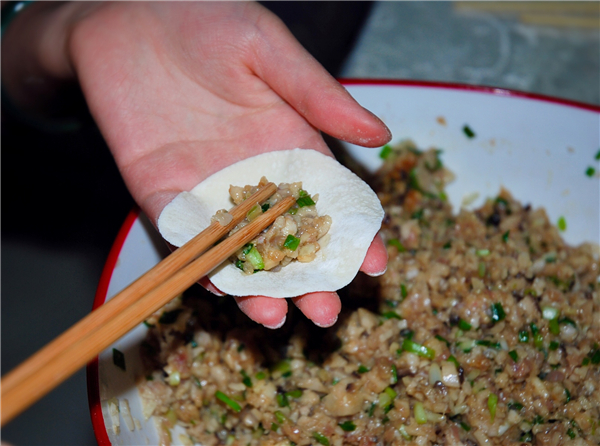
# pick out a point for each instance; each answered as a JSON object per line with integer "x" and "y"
{"x": 260, "y": 375}
{"x": 362, "y": 369}
{"x": 246, "y": 379}
{"x": 280, "y": 416}
{"x": 404, "y": 434}
{"x": 568, "y": 321}
{"x": 247, "y": 248}
{"x": 394, "y": 378}
{"x": 597, "y": 157}
{"x": 305, "y": 201}
{"x": 291, "y": 242}
{"x": 397, "y": 244}
{"x": 550, "y": 313}
{"x": 562, "y": 223}
{"x": 505, "y": 236}
{"x": 118, "y": 358}
{"x": 371, "y": 410}
{"x": 322, "y": 439}
{"x": 554, "y": 345}
{"x": 421, "y": 350}
{"x": 420, "y": 414}
{"x": 174, "y": 379}
{"x": 391, "y": 315}
{"x": 274, "y": 427}
{"x": 231, "y": 403}
{"x": 554, "y": 327}
{"x": 567, "y": 395}
{"x": 490, "y": 344}
{"x": 515, "y": 405}
{"x": 481, "y": 269}
{"x": 465, "y": 426}
{"x": 447, "y": 245}
{"x": 538, "y": 420}
{"x": 454, "y": 361}
{"x": 239, "y": 264}
{"x": 444, "y": 340}
{"x": 483, "y": 252}
{"x": 347, "y": 426}
{"x": 254, "y": 212}
{"x": 594, "y": 355}
{"x": 498, "y": 313}
{"x": 523, "y": 336}
{"x": 467, "y": 346}
{"x": 403, "y": 291}
{"x": 467, "y": 131}
{"x": 390, "y": 392}
{"x": 385, "y": 399}
{"x": 514, "y": 355}
{"x": 590, "y": 171}
{"x": 283, "y": 366}
{"x": 385, "y": 152}
{"x": 492, "y": 405}
{"x": 254, "y": 257}
{"x": 293, "y": 210}
{"x": 171, "y": 416}
{"x": 571, "y": 434}
{"x": 147, "y": 324}
{"x": 296, "y": 393}
{"x": 464, "y": 325}
{"x": 282, "y": 400}
{"x": 265, "y": 207}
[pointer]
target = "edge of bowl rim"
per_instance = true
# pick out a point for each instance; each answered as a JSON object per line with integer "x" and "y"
{"x": 93, "y": 389}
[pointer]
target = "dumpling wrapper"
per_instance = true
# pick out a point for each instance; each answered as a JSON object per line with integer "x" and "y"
{"x": 354, "y": 208}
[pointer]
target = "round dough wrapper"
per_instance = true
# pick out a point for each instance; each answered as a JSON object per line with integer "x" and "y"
{"x": 354, "y": 208}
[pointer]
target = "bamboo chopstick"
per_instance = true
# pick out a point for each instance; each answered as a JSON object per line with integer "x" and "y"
{"x": 72, "y": 350}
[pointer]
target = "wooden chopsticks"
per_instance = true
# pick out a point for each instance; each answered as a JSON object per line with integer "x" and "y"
{"x": 85, "y": 340}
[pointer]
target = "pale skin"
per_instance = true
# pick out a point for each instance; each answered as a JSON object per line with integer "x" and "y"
{"x": 182, "y": 90}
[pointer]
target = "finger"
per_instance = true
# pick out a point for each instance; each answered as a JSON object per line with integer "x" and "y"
{"x": 322, "y": 308}
{"x": 267, "y": 311}
{"x": 209, "y": 286}
{"x": 375, "y": 263}
{"x": 280, "y": 60}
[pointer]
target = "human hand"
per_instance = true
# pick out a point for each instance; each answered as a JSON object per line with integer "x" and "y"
{"x": 182, "y": 90}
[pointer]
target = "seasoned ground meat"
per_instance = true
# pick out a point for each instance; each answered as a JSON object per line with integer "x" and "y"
{"x": 483, "y": 331}
{"x": 293, "y": 236}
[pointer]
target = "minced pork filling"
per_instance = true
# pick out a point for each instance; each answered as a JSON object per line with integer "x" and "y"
{"x": 483, "y": 331}
{"x": 293, "y": 236}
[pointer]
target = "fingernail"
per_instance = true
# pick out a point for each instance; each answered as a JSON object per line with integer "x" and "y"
{"x": 273, "y": 327}
{"x": 329, "y": 324}
{"x": 377, "y": 274}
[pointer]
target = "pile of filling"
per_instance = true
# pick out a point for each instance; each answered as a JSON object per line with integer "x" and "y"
{"x": 293, "y": 236}
{"x": 484, "y": 330}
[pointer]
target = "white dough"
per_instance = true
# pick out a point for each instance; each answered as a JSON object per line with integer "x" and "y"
{"x": 354, "y": 208}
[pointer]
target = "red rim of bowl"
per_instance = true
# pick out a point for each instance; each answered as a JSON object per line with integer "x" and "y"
{"x": 113, "y": 256}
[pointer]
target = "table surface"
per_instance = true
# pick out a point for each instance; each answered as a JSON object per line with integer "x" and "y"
{"x": 540, "y": 48}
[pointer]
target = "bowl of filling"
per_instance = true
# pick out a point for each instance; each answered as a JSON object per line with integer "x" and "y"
{"x": 485, "y": 328}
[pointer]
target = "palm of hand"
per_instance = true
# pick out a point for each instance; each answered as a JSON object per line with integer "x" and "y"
{"x": 183, "y": 90}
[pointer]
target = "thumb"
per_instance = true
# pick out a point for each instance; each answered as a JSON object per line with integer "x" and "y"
{"x": 300, "y": 80}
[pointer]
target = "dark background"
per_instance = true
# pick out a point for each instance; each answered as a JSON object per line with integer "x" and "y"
{"x": 63, "y": 202}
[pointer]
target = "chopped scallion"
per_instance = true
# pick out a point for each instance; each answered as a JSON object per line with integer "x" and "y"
{"x": 550, "y": 313}
{"x": 254, "y": 257}
{"x": 231, "y": 403}
{"x": 523, "y": 336}
{"x": 118, "y": 358}
{"x": 464, "y": 325}
{"x": 385, "y": 152}
{"x": 394, "y": 378}
{"x": 322, "y": 439}
{"x": 562, "y": 223}
{"x": 498, "y": 313}
{"x": 347, "y": 426}
{"x": 590, "y": 171}
{"x": 492, "y": 405}
{"x": 467, "y": 131}
{"x": 421, "y": 350}
{"x": 246, "y": 379}
{"x": 305, "y": 201}
{"x": 397, "y": 244}
{"x": 291, "y": 242}
{"x": 420, "y": 414}
{"x": 514, "y": 355}
{"x": 505, "y": 236}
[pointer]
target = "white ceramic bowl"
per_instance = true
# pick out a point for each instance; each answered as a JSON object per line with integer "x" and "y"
{"x": 539, "y": 148}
